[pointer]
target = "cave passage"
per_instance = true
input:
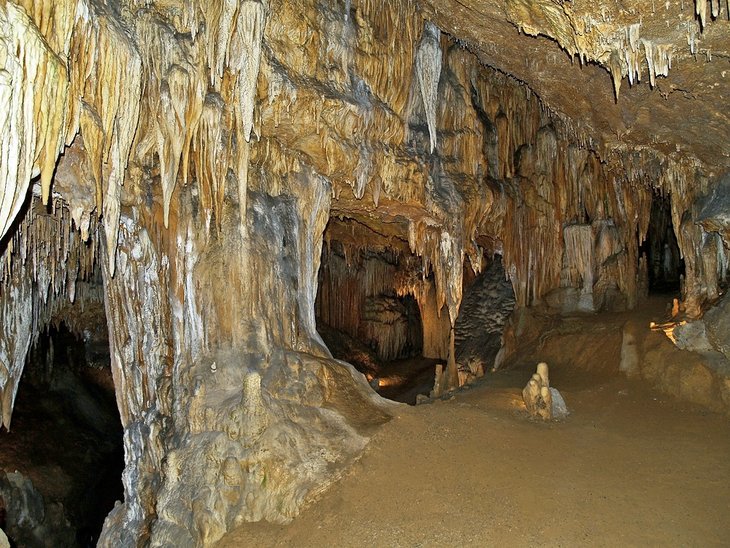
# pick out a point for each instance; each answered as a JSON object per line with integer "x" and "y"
{"x": 365, "y": 322}
{"x": 366, "y": 318}
{"x": 377, "y": 311}
{"x": 62, "y": 460}
{"x": 665, "y": 265}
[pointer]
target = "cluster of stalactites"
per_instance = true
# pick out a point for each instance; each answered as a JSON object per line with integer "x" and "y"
{"x": 548, "y": 179}
{"x": 357, "y": 296}
{"x": 47, "y": 248}
{"x": 598, "y": 36}
{"x": 41, "y": 269}
{"x": 99, "y": 97}
{"x": 33, "y": 89}
{"x": 348, "y": 279}
{"x": 569, "y": 219}
{"x": 185, "y": 87}
{"x": 201, "y": 98}
{"x": 579, "y": 255}
{"x": 635, "y": 177}
{"x": 701, "y": 10}
{"x": 629, "y": 51}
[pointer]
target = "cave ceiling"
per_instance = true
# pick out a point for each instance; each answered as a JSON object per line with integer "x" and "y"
{"x": 632, "y": 74}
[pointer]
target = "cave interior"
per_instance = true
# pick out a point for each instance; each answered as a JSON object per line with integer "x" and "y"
{"x": 236, "y": 236}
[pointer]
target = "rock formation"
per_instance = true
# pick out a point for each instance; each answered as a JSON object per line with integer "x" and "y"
{"x": 541, "y": 400}
{"x": 180, "y": 161}
{"x": 27, "y": 519}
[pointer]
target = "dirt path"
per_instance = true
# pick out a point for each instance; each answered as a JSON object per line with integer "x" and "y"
{"x": 628, "y": 468}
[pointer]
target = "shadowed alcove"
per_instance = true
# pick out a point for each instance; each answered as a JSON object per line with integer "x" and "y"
{"x": 665, "y": 266}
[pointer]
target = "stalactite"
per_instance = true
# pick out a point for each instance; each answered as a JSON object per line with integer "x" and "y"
{"x": 658, "y": 59}
{"x": 428, "y": 66}
{"x": 625, "y": 57}
{"x": 219, "y": 18}
{"x": 211, "y": 157}
{"x": 244, "y": 57}
{"x": 33, "y": 88}
{"x": 16, "y": 335}
{"x": 105, "y": 102}
{"x": 162, "y": 91}
{"x": 181, "y": 105}
{"x": 39, "y": 273}
{"x": 631, "y": 53}
{"x": 701, "y": 11}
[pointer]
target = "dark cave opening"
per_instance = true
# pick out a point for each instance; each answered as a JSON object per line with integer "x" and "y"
{"x": 665, "y": 266}
{"x": 62, "y": 460}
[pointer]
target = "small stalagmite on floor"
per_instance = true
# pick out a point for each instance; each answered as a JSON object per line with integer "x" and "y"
{"x": 540, "y": 399}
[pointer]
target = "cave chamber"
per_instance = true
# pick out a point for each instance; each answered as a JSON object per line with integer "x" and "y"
{"x": 417, "y": 177}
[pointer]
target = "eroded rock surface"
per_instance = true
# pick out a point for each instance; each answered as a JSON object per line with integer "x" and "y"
{"x": 29, "y": 521}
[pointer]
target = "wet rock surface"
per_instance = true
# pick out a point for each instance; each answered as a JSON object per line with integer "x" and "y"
{"x": 29, "y": 519}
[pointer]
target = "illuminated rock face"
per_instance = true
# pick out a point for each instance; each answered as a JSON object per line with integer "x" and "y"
{"x": 193, "y": 153}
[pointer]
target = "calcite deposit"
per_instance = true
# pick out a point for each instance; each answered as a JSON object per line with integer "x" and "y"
{"x": 543, "y": 401}
{"x": 187, "y": 162}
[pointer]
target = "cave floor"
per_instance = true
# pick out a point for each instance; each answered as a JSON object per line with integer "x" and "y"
{"x": 628, "y": 467}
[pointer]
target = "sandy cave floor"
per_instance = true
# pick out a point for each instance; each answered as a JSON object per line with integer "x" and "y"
{"x": 629, "y": 467}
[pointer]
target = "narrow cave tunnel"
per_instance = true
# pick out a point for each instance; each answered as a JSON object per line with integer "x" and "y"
{"x": 61, "y": 463}
{"x": 665, "y": 265}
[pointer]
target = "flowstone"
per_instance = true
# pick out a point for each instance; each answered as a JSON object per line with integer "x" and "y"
{"x": 258, "y": 438}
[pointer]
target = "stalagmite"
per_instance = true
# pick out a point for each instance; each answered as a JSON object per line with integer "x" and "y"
{"x": 541, "y": 400}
